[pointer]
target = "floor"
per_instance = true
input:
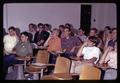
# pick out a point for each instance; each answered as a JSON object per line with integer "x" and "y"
{"x": 12, "y": 74}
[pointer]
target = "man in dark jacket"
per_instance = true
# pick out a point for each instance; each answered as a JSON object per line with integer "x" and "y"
{"x": 41, "y": 35}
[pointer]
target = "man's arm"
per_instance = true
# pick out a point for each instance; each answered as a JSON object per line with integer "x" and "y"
{"x": 92, "y": 60}
{"x": 81, "y": 49}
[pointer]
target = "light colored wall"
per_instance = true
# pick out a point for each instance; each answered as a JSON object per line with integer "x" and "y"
{"x": 105, "y": 14}
{"x": 21, "y": 14}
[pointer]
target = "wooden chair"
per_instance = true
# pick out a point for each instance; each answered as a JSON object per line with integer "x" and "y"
{"x": 62, "y": 66}
{"x": 42, "y": 57}
{"x": 89, "y": 73}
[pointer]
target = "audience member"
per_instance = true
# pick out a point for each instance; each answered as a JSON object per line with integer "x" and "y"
{"x": 69, "y": 43}
{"x": 110, "y": 58}
{"x": 10, "y": 40}
{"x": 54, "y": 45}
{"x": 61, "y": 28}
{"x": 89, "y": 52}
{"x": 106, "y": 33}
{"x": 41, "y": 36}
{"x": 111, "y": 39}
{"x": 93, "y": 32}
{"x": 32, "y": 30}
{"x": 81, "y": 34}
{"x": 48, "y": 27}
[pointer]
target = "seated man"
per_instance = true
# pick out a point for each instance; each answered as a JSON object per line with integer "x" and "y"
{"x": 111, "y": 39}
{"x": 10, "y": 40}
{"x": 23, "y": 47}
{"x": 90, "y": 54}
{"x": 41, "y": 35}
{"x": 81, "y": 34}
{"x": 69, "y": 43}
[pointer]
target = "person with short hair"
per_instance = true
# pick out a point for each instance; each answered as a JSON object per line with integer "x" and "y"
{"x": 23, "y": 47}
{"x": 111, "y": 41}
{"x": 41, "y": 35}
{"x": 10, "y": 40}
{"x": 69, "y": 43}
{"x": 93, "y": 32}
{"x": 48, "y": 27}
{"x": 106, "y": 33}
{"x": 89, "y": 52}
{"x": 31, "y": 31}
{"x": 81, "y": 34}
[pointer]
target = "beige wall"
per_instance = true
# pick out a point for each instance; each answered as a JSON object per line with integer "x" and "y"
{"x": 20, "y": 15}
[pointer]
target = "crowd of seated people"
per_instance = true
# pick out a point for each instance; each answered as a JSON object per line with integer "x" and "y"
{"x": 95, "y": 48}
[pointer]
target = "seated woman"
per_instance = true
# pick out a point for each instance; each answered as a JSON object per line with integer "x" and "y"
{"x": 90, "y": 54}
{"x": 22, "y": 49}
{"x": 110, "y": 58}
{"x": 54, "y": 45}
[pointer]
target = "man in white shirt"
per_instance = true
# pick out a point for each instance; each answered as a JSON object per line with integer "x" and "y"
{"x": 90, "y": 54}
{"x": 10, "y": 40}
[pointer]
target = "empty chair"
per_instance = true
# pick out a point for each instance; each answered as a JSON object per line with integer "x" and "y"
{"x": 62, "y": 66}
{"x": 42, "y": 57}
{"x": 88, "y": 72}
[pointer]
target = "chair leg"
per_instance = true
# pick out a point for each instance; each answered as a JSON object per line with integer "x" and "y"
{"x": 20, "y": 72}
{"x": 41, "y": 75}
{"x": 25, "y": 64}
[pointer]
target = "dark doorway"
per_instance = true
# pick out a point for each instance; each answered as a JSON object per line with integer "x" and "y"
{"x": 86, "y": 18}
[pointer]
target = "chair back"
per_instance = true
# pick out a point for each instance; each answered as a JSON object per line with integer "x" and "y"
{"x": 42, "y": 56}
{"x": 89, "y": 73}
{"x": 62, "y": 65}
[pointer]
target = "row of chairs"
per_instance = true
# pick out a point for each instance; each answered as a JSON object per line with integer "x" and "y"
{"x": 63, "y": 66}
